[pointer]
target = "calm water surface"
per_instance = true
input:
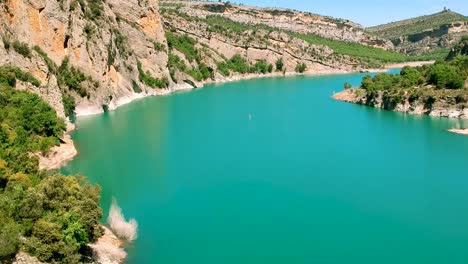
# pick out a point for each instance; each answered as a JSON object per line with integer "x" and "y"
{"x": 306, "y": 179}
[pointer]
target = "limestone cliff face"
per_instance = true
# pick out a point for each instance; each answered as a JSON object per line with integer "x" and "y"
{"x": 101, "y": 54}
{"x": 102, "y": 39}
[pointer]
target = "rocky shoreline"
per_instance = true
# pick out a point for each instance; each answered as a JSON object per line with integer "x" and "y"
{"x": 358, "y": 96}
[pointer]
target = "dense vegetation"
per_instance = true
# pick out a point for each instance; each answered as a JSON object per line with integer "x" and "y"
{"x": 51, "y": 216}
{"x": 441, "y": 75}
{"x": 440, "y": 81}
{"x": 416, "y": 25}
{"x": 9, "y": 75}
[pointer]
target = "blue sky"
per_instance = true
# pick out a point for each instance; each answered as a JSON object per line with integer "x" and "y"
{"x": 366, "y": 12}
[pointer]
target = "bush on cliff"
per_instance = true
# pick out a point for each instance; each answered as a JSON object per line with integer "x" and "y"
{"x": 301, "y": 67}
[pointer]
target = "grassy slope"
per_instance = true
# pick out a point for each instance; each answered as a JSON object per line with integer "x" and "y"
{"x": 416, "y": 25}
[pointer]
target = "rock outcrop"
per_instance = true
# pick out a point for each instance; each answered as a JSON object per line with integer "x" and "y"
{"x": 108, "y": 249}
{"x": 24, "y": 258}
{"x": 426, "y": 104}
{"x": 443, "y": 37}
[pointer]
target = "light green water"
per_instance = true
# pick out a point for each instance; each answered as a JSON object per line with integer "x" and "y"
{"x": 306, "y": 179}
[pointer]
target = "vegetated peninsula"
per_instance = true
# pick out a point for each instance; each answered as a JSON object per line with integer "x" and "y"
{"x": 438, "y": 90}
{"x": 63, "y": 58}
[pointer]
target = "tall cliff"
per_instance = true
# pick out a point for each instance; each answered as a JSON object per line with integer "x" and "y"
{"x": 94, "y": 55}
{"x": 103, "y": 41}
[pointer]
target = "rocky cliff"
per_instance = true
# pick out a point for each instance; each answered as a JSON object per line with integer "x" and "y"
{"x": 425, "y": 34}
{"x": 84, "y": 50}
{"x": 92, "y": 55}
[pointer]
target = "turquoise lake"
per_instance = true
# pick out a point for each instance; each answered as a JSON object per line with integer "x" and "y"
{"x": 275, "y": 171}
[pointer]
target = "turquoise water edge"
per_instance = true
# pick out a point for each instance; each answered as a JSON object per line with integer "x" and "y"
{"x": 275, "y": 171}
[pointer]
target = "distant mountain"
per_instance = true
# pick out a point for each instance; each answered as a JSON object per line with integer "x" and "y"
{"x": 424, "y": 34}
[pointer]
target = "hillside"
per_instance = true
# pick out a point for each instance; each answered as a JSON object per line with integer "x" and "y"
{"x": 415, "y": 25}
{"x": 431, "y": 33}
{"x": 92, "y": 55}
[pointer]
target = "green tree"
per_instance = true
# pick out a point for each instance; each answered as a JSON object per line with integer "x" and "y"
{"x": 279, "y": 64}
{"x": 9, "y": 236}
{"x": 301, "y": 67}
{"x": 445, "y": 76}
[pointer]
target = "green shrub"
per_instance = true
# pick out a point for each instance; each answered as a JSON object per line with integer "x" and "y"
{"x": 51, "y": 66}
{"x": 184, "y": 44}
{"x": 279, "y": 64}
{"x": 238, "y": 64}
{"x": 6, "y": 43}
{"x": 22, "y": 48}
{"x": 9, "y": 75}
{"x": 72, "y": 78}
{"x": 301, "y": 67}
{"x": 159, "y": 46}
{"x": 259, "y": 67}
{"x": 9, "y": 236}
{"x": 223, "y": 68}
{"x": 136, "y": 88}
{"x": 93, "y": 9}
{"x": 411, "y": 77}
{"x": 149, "y": 80}
{"x": 206, "y": 72}
{"x": 445, "y": 76}
{"x": 68, "y": 105}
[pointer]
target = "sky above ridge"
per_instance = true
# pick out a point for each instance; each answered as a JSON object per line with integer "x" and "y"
{"x": 366, "y": 12}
